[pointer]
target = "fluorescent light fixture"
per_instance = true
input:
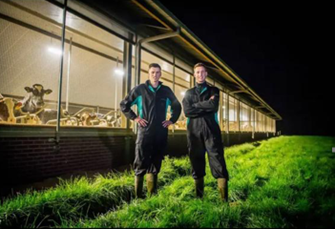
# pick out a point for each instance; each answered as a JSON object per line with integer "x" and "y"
{"x": 119, "y": 72}
{"x": 55, "y": 51}
{"x": 165, "y": 66}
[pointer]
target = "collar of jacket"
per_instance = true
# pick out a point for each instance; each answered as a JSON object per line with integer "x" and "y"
{"x": 201, "y": 88}
{"x": 151, "y": 87}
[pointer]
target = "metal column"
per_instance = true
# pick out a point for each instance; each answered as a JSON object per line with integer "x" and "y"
{"x": 238, "y": 116}
{"x": 61, "y": 75}
{"x": 127, "y": 68}
{"x": 227, "y": 117}
{"x": 254, "y": 126}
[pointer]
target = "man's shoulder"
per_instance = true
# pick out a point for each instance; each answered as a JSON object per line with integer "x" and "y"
{"x": 137, "y": 89}
{"x": 191, "y": 90}
{"x": 213, "y": 88}
{"x": 166, "y": 88}
{"x": 140, "y": 86}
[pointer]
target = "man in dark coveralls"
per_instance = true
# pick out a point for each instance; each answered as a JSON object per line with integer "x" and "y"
{"x": 201, "y": 105}
{"x": 152, "y": 100}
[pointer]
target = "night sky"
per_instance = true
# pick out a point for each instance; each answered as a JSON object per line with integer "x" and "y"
{"x": 281, "y": 51}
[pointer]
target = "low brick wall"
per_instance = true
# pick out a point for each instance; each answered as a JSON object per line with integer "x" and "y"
{"x": 26, "y": 160}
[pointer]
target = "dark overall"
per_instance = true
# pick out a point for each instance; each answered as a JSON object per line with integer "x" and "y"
{"x": 151, "y": 140}
{"x": 203, "y": 131}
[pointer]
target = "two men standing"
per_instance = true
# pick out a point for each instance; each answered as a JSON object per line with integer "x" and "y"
{"x": 200, "y": 107}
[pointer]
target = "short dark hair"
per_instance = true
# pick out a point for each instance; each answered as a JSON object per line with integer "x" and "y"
{"x": 154, "y": 65}
{"x": 200, "y": 65}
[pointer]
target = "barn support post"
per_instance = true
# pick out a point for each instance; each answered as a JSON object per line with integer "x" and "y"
{"x": 174, "y": 80}
{"x": 68, "y": 76}
{"x": 254, "y": 123}
{"x": 127, "y": 66}
{"x": 59, "y": 111}
{"x": 227, "y": 117}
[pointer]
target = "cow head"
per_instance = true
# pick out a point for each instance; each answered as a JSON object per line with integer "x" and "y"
{"x": 35, "y": 99}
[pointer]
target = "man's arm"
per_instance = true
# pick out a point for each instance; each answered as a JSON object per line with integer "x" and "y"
{"x": 175, "y": 107}
{"x": 211, "y": 105}
{"x": 175, "y": 110}
{"x": 189, "y": 110}
{"x": 128, "y": 102}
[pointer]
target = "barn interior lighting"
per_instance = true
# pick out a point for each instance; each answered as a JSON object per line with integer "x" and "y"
{"x": 53, "y": 48}
{"x": 118, "y": 71}
{"x": 183, "y": 93}
{"x": 55, "y": 51}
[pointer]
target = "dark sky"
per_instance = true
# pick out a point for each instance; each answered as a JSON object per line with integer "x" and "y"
{"x": 283, "y": 52}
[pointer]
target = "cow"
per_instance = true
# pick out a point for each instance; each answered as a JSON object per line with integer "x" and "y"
{"x": 34, "y": 100}
{"x": 32, "y": 110}
{"x": 7, "y": 110}
{"x": 33, "y": 103}
{"x": 85, "y": 119}
{"x": 4, "y": 114}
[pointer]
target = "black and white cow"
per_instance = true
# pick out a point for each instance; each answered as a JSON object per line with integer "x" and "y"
{"x": 34, "y": 100}
{"x": 34, "y": 103}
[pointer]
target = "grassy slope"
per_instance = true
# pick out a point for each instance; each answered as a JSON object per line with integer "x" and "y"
{"x": 79, "y": 198}
{"x": 283, "y": 182}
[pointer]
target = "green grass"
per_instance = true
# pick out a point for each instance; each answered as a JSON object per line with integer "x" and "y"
{"x": 80, "y": 197}
{"x": 282, "y": 182}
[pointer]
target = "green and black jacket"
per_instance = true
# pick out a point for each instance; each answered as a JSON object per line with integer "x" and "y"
{"x": 152, "y": 105}
{"x": 200, "y": 110}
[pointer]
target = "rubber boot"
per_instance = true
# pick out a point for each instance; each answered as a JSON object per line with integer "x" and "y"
{"x": 138, "y": 186}
{"x": 199, "y": 187}
{"x": 151, "y": 184}
{"x": 223, "y": 189}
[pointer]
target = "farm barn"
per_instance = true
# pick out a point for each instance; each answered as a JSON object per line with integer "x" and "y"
{"x": 65, "y": 67}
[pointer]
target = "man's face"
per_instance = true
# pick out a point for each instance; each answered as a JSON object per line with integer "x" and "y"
{"x": 155, "y": 74}
{"x": 200, "y": 74}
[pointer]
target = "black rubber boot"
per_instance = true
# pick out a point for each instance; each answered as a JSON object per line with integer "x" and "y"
{"x": 138, "y": 186}
{"x": 199, "y": 187}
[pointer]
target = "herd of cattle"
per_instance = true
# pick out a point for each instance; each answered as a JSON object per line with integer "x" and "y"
{"x": 32, "y": 110}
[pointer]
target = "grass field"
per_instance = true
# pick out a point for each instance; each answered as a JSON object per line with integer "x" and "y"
{"x": 282, "y": 182}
